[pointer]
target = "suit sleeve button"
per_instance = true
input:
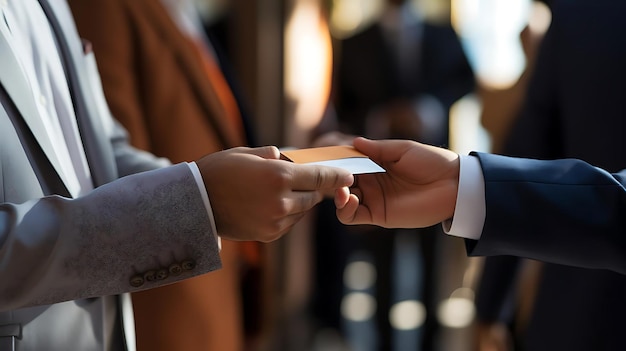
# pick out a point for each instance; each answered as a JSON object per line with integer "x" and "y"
{"x": 188, "y": 265}
{"x": 175, "y": 269}
{"x": 136, "y": 281}
{"x": 150, "y": 276}
{"x": 162, "y": 274}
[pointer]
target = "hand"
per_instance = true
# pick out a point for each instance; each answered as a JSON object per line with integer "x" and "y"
{"x": 332, "y": 139}
{"x": 256, "y": 196}
{"x": 418, "y": 190}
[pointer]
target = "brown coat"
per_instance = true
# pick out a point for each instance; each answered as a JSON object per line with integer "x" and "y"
{"x": 156, "y": 87}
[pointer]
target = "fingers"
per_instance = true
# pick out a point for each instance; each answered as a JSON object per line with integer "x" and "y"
{"x": 342, "y": 196}
{"x": 353, "y": 213}
{"x": 319, "y": 177}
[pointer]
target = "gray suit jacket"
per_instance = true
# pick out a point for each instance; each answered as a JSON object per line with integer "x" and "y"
{"x": 64, "y": 261}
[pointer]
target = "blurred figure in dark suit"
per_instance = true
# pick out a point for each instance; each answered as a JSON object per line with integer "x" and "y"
{"x": 575, "y": 107}
{"x": 397, "y": 78}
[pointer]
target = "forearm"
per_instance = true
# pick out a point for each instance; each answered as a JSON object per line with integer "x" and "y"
{"x": 566, "y": 212}
{"x": 56, "y": 249}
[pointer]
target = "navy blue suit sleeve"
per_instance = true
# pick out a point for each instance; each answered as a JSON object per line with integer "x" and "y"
{"x": 563, "y": 211}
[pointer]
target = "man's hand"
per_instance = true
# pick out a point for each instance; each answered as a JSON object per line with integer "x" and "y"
{"x": 418, "y": 190}
{"x": 256, "y": 196}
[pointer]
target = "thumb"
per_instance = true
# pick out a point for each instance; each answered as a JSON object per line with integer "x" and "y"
{"x": 364, "y": 145}
{"x": 372, "y": 148}
{"x": 383, "y": 151}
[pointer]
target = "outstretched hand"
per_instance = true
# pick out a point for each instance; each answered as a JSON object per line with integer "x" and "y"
{"x": 418, "y": 190}
{"x": 256, "y": 196}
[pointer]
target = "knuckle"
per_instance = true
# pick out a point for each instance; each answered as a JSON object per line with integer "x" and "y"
{"x": 283, "y": 208}
{"x": 319, "y": 179}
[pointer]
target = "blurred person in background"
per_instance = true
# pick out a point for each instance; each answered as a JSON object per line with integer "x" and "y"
{"x": 396, "y": 78}
{"x": 574, "y": 108}
{"x": 500, "y": 108}
{"x": 172, "y": 88}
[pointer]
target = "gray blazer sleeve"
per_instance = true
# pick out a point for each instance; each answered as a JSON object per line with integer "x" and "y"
{"x": 137, "y": 232}
{"x": 140, "y": 231}
{"x": 564, "y": 211}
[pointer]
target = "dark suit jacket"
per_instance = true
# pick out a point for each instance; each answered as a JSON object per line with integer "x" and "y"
{"x": 84, "y": 251}
{"x": 560, "y": 211}
{"x": 368, "y": 76}
{"x": 575, "y": 108}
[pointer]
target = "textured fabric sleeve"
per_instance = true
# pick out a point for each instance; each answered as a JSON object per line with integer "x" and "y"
{"x": 135, "y": 233}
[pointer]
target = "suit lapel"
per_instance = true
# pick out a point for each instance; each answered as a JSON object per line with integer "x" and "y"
{"x": 17, "y": 87}
{"x": 96, "y": 144}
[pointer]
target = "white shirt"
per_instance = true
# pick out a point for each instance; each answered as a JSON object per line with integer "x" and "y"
{"x": 470, "y": 210}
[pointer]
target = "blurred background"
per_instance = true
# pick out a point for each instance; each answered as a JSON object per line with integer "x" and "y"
{"x": 310, "y": 66}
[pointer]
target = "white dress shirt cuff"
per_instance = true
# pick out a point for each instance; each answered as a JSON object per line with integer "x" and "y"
{"x": 469, "y": 212}
{"x": 205, "y": 198}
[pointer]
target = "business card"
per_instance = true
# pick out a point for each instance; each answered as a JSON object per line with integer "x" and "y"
{"x": 343, "y": 156}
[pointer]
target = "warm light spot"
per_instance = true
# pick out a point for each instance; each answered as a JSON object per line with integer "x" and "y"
{"x": 348, "y": 16}
{"x": 359, "y": 275}
{"x": 490, "y": 32}
{"x": 540, "y": 17}
{"x": 407, "y": 315}
{"x": 358, "y": 307}
{"x": 458, "y": 311}
{"x": 466, "y": 131}
{"x": 308, "y": 64}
